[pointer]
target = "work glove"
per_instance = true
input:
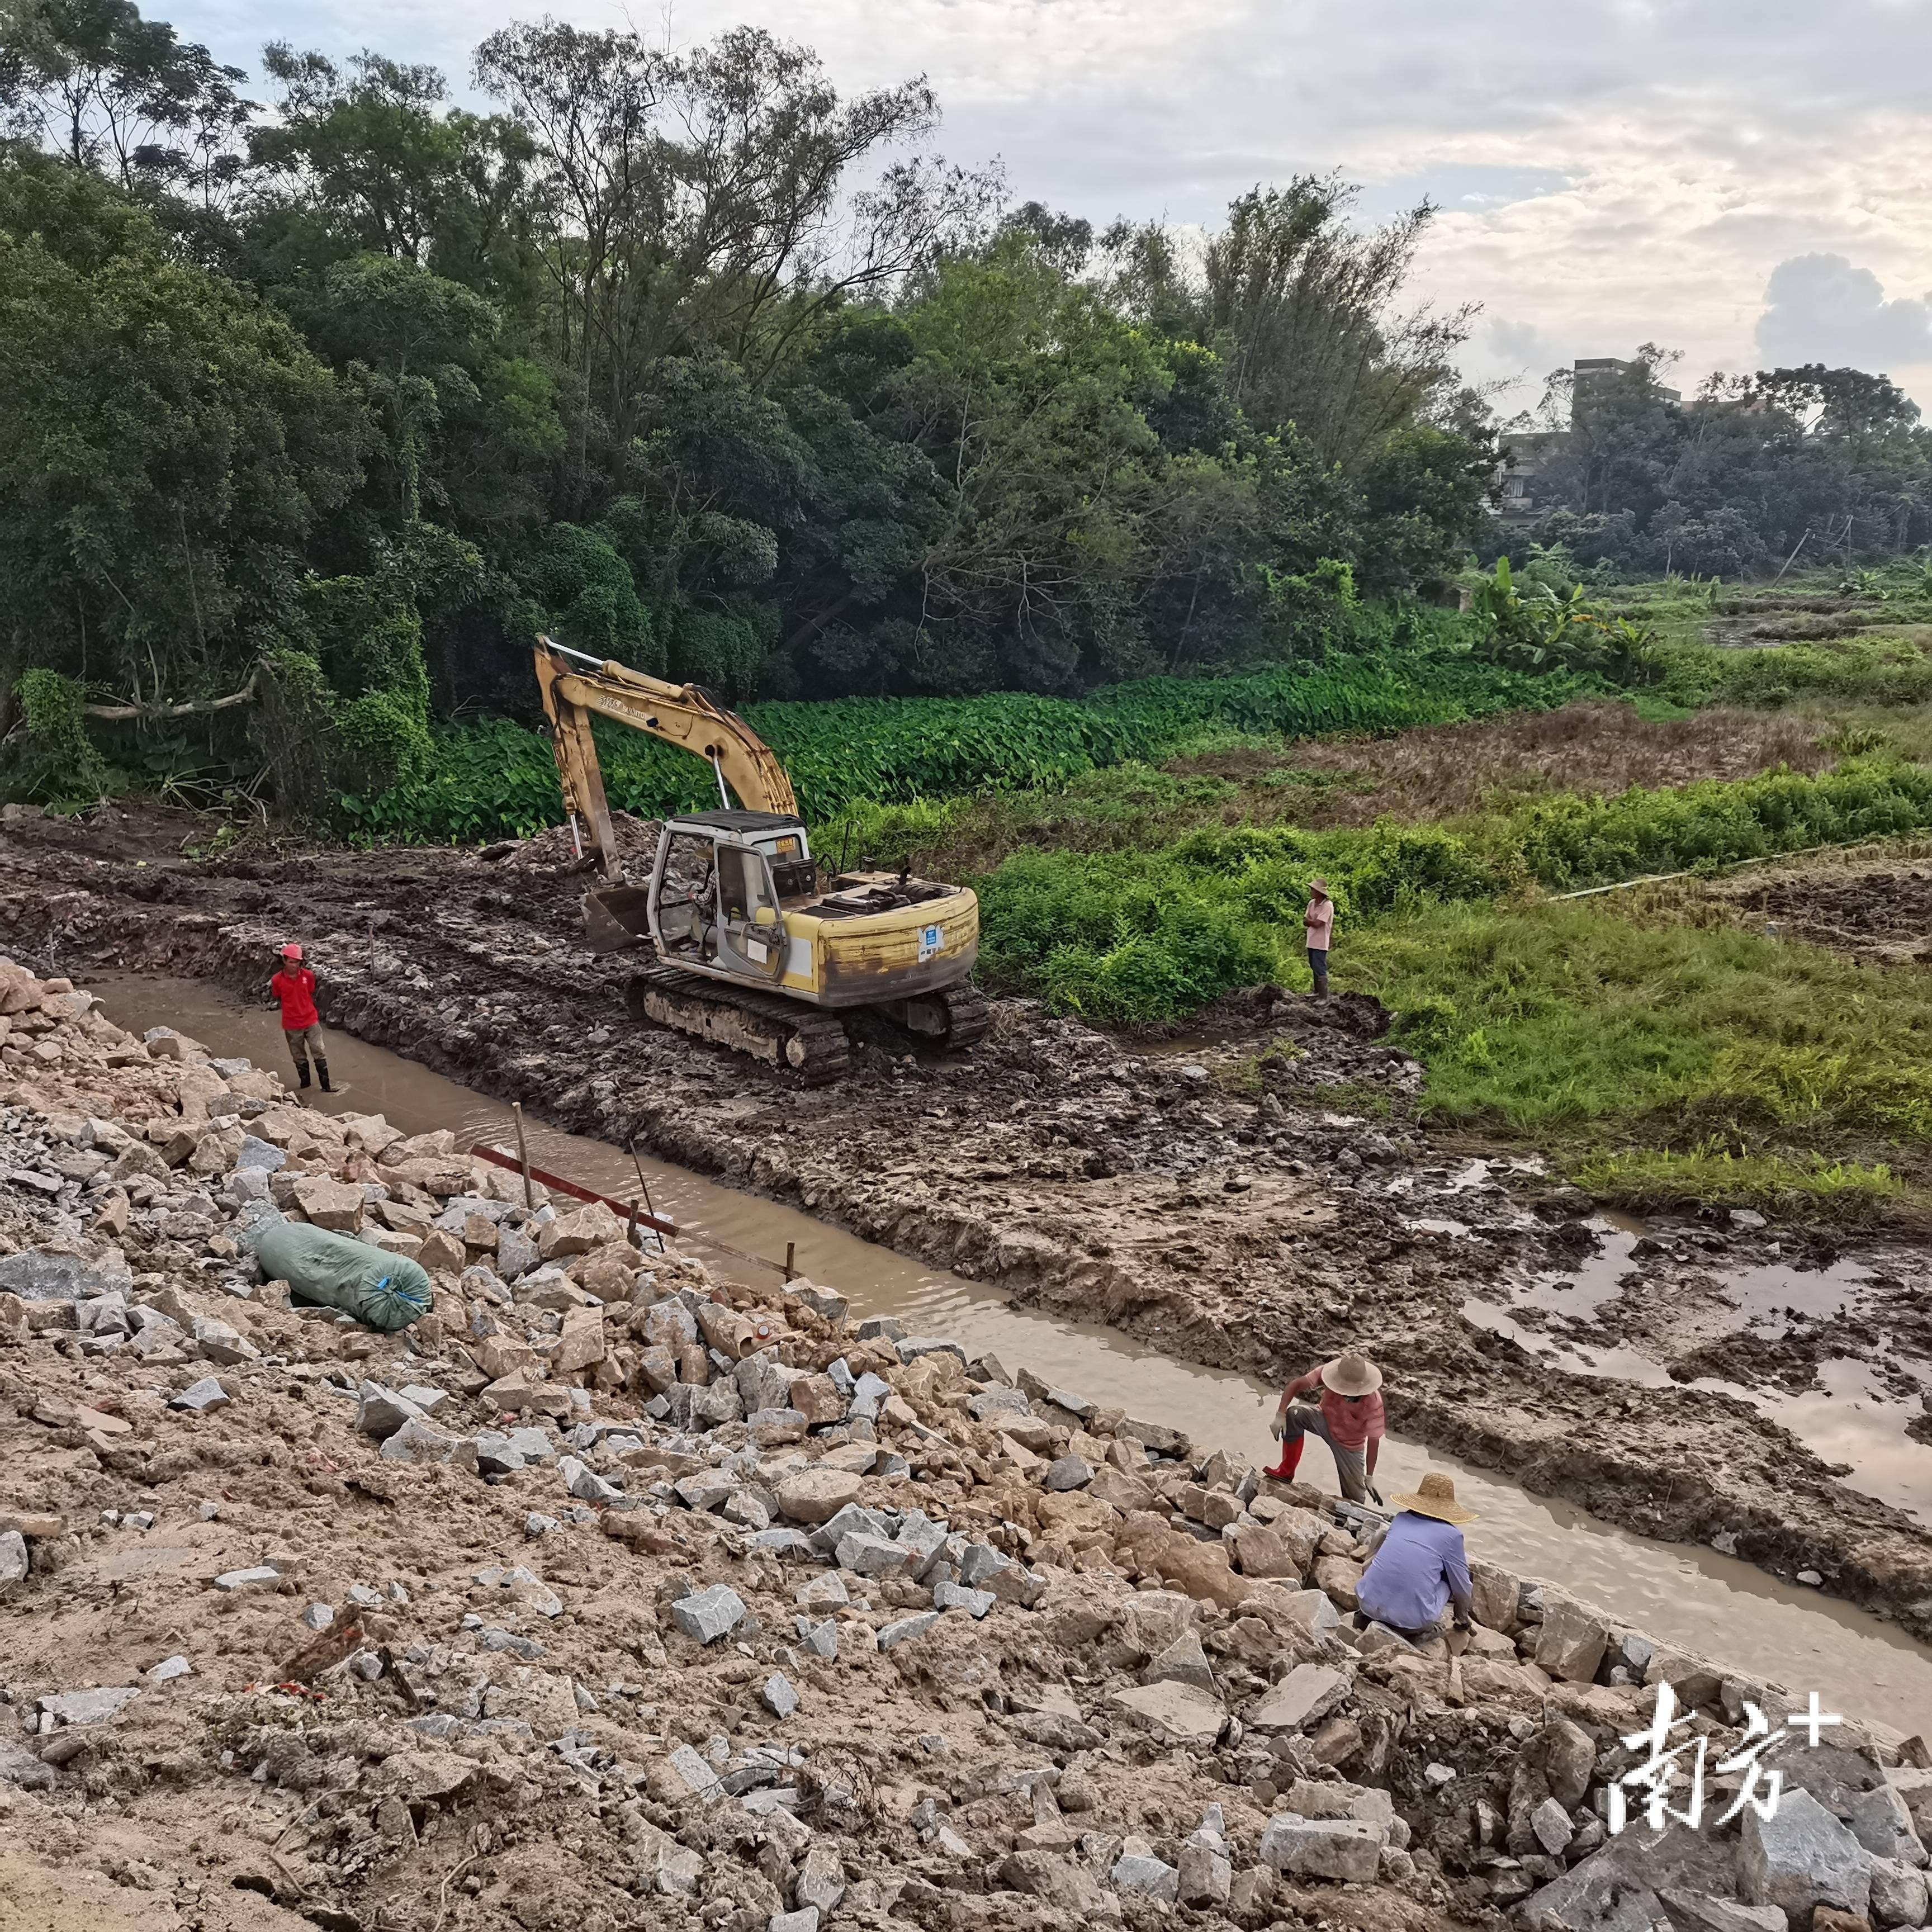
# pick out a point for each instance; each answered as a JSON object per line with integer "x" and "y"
{"x": 1278, "y": 1426}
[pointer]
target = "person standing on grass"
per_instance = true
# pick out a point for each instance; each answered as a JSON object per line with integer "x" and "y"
{"x": 1349, "y": 1420}
{"x": 1318, "y": 925}
{"x": 294, "y": 987}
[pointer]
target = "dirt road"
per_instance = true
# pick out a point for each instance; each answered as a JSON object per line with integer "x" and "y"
{"x": 1228, "y": 1215}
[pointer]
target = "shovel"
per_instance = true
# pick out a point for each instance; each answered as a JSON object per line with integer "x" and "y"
{"x": 1458, "y": 1641}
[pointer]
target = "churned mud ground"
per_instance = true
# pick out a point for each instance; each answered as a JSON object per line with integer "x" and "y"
{"x": 1208, "y": 1196}
{"x": 1877, "y": 909}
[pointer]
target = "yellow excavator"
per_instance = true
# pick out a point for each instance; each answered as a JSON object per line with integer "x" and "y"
{"x": 755, "y": 950}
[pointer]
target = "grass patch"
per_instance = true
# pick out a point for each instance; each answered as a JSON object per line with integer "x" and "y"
{"x": 1140, "y": 937}
{"x": 1653, "y": 1179}
{"x": 1648, "y": 1054}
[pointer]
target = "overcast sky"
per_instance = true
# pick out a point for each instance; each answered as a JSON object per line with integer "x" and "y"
{"x": 1745, "y": 180}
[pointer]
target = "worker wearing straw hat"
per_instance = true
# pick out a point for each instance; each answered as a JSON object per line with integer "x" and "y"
{"x": 1318, "y": 928}
{"x": 1420, "y": 1565}
{"x": 1349, "y": 1420}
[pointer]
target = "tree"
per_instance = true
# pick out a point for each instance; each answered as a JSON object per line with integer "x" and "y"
{"x": 716, "y": 476}
{"x": 1867, "y": 457}
{"x": 468, "y": 430}
{"x": 1425, "y": 495}
{"x": 1755, "y": 469}
{"x": 698, "y": 202}
{"x": 1065, "y": 242}
{"x": 1304, "y": 310}
{"x": 105, "y": 88}
{"x": 1624, "y": 434}
{"x": 370, "y": 158}
{"x": 167, "y": 447}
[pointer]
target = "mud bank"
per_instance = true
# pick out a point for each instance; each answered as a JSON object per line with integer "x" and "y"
{"x": 1696, "y": 1599}
{"x": 1234, "y": 1220}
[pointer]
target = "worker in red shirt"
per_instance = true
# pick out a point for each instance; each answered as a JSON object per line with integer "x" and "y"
{"x": 294, "y": 986}
{"x": 1349, "y": 1420}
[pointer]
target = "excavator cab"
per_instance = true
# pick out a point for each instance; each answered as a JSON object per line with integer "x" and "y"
{"x": 718, "y": 888}
{"x": 753, "y": 949}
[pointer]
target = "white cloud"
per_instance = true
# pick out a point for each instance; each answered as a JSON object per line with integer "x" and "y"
{"x": 1818, "y": 308}
{"x": 1622, "y": 170}
{"x": 1509, "y": 360}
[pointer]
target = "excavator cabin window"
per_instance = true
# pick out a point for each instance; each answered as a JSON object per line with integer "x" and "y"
{"x": 744, "y": 885}
{"x": 688, "y": 898}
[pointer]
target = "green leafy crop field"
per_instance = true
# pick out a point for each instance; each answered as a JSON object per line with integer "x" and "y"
{"x": 496, "y": 779}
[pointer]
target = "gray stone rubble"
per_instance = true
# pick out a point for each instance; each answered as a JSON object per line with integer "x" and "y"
{"x": 803, "y": 1510}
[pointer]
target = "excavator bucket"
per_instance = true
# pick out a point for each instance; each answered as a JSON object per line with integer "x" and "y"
{"x": 616, "y": 918}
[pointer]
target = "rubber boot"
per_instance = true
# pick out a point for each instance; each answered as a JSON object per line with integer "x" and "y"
{"x": 302, "y": 1073}
{"x": 321, "y": 1071}
{"x": 1283, "y": 1472}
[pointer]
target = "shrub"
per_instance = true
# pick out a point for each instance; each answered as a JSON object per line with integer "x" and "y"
{"x": 1051, "y": 922}
{"x": 58, "y": 762}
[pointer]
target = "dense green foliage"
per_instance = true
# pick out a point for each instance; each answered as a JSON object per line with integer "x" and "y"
{"x": 497, "y": 778}
{"x": 1888, "y": 672}
{"x": 369, "y": 391}
{"x": 1133, "y": 937}
{"x": 1808, "y": 462}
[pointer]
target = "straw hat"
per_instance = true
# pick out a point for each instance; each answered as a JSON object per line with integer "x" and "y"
{"x": 1351, "y": 1375}
{"x": 1436, "y": 1497}
{"x": 1318, "y": 885}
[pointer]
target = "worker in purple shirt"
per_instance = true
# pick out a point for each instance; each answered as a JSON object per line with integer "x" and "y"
{"x": 1420, "y": 1564}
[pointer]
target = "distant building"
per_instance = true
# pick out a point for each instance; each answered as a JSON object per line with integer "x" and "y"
{"x": 1591, "y": 372}
{"x": 1528, "y": 453}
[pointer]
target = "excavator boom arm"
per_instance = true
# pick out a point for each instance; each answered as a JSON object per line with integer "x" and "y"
{"x": 681, "y": 715}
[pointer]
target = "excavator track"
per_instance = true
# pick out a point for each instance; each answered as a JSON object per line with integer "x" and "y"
{"x": 969, "y": 1014}
{"x": 767, "y": 1026}
{"x": 783, "y": 1032}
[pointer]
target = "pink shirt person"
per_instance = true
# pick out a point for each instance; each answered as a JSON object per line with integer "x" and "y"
{"x": 1318, "y": 925}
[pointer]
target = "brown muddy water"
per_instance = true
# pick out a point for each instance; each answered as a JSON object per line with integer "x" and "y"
{"x": 1692, "y": 1597}
{"x": 1849, "y": 1419}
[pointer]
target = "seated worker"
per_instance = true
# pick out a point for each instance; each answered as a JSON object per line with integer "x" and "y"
{"x": 1420, "y": 1564}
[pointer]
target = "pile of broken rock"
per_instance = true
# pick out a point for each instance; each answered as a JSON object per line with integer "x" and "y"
{"x": 608, "y": 1594}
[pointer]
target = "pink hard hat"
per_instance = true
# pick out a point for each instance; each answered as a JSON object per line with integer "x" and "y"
{"x": 291, "y": 951}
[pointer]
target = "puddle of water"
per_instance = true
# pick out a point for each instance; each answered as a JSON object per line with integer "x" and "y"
{"x": 1847, "y": 1421}
{"x": 1852, "y": 1420}
{"x": 1766, "y": 1294}
{"x": 1689, "y": 1597}
{"x": 1578, "y": 1358}
{"x": 1581, "y": 1291}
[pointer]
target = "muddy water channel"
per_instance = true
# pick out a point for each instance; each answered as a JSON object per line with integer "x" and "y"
{"x": 1692, "y": 1597}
